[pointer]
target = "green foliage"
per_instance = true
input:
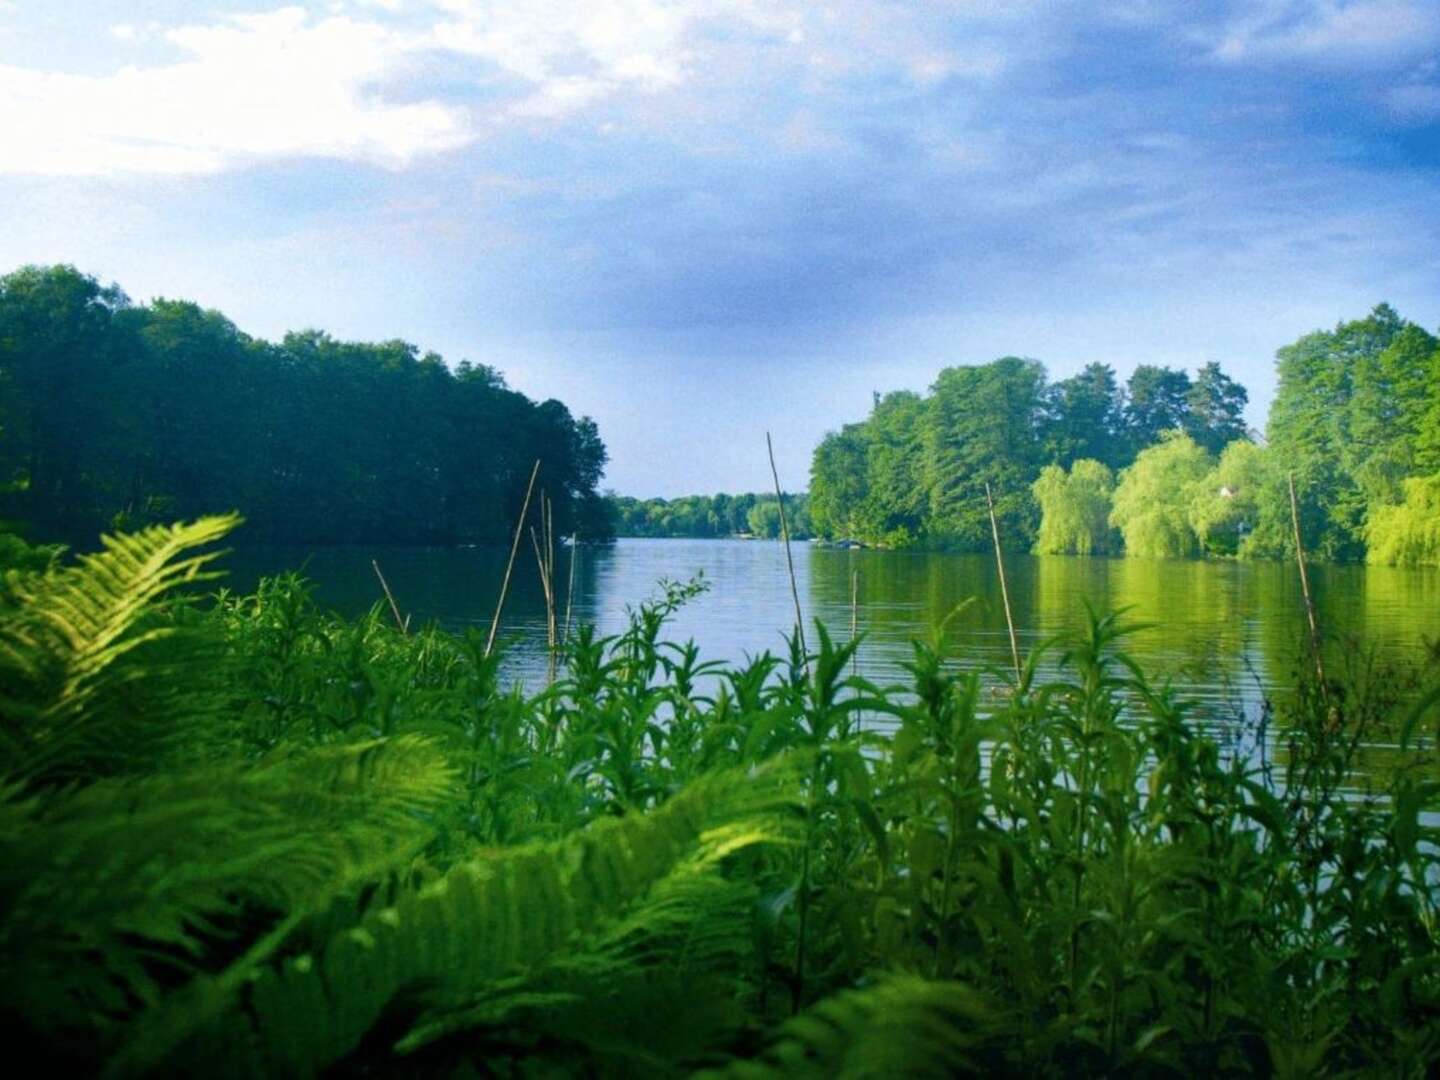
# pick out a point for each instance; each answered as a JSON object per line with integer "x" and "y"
{"x": 1408, "y": 534}
{"x": 354, "y": 852}
{"x": 980, "y": 426}
{"x": 1345, "y": 420}
{"x": 16, "y": 553}
{"x": 1152, "y": 501}
{"x": 903, "y": 1026}
{"x": 88, "y": 671}
{"x": 1157, "y": 401}
{"x": 118, "y": 416}
{"x": 867, "y": 480}
{"x": 1086, "y": 419}
{"x": 705, "y": 516}
{"x": 1215, "y": 409}
{"x": 1226, "y": 504}
{"x": 1075, "y": 509}
{"x": 915, "y": 471}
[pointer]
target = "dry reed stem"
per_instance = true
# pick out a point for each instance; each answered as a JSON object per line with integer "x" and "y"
{"x": 854, "y": 619}
{"x": 510, "y": 564}
{"x": 570, "y": 588}
{"x": 403, "y": 624}
{"x": 1305, "y": 585}
{"x": 1004, "y": 589}
{"x": 789, "y": 562}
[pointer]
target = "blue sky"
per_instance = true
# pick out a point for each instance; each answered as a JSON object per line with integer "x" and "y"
{"x": 698, "y": 221}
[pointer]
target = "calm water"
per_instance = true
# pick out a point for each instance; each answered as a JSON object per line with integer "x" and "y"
{"x": 1226, "y": 632}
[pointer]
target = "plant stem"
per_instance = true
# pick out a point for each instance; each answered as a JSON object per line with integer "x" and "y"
{"x": 510, "y": 564}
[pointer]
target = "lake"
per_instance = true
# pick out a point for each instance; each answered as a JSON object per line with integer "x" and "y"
{"x": 1226, "y": 632}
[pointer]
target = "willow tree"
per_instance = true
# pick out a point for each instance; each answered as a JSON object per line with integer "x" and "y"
{"x": 1225, "y": 506}
{"x": 1407, "y": 534}
{"x": 1075, "y": 509}
{"x": 1152, "y": 501}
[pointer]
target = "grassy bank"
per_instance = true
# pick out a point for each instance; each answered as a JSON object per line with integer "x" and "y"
{"x": 243, "y": 836}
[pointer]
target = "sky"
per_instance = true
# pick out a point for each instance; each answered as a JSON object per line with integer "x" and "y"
{"x": 697, "y": 221}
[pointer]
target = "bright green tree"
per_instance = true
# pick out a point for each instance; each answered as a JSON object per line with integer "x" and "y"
{"x": 838, "y": 481}
{"x": 1075, "y": 509}
{"x": 1226, "y": 504}
{"x": 1310, "y": 433}
{"x": 1408, "y": 534}
{"x": 1152, "y": 501}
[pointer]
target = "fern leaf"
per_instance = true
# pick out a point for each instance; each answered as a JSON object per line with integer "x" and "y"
{"x": 112, "y": 889}
{"x": 487, "y": 919}
{"x": 80, "y": 641}
{"x": 903, "y": 1026}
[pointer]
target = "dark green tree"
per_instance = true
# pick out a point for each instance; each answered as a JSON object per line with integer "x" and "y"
{"x": 1157, "y": 400}
{"x": 1085, "y": 418}
{"x": 982, "y": 424}
{"x": 1215, "y": 409}
{"x": 62, "y": 361}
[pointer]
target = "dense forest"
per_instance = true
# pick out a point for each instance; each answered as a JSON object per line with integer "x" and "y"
{"x": 707, "y": 516}
{"x": 116, "y": 414}
{"x": 1162, "y": 466}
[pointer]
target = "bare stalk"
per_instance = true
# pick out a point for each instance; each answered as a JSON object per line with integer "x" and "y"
{"x": 1004, "y": 589}
{"x": 570, "y": 588}
{"x": 545, "y": 587}
{"x": 789, "y": 562}
{"x": 510, "y": 564}
{"x": 402, "y": 623}
{"x": 854, "y": 619}
{"x": 1305, "y": 585}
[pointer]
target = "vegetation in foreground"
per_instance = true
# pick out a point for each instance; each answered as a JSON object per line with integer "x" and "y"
{"x": 246, "y": 837}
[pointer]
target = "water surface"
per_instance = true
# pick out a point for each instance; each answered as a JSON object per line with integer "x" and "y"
{"x": 1226, "y": 632}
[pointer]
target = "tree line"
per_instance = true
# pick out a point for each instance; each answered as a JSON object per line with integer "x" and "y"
{"x": 1163, "y": 466}
{"x": 711, "y": 516}
{"x": 915, "y": 470}
{"x": 114, "y": 414}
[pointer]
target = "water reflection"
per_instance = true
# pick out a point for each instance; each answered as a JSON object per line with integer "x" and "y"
{"x": 1224, "y": 633}
{"x": 1208, "y": 623}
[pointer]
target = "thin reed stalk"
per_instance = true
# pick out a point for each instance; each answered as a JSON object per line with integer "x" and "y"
{"x": 854, "y": 619}
{"x": 544, "y": 553}
{"x": 1004, "y": 588}
{"x": 570, "y": 587}
{"x": 510, "y": 563}
{"x": 1305, "y": 585}
{"x": 789, "y": 562}
{"x": 402, "y": 623}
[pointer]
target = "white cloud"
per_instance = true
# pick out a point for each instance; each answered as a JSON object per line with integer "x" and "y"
{"x": 252, "y": 87}
{"x": 293, "y": 83}
{"x": 1358, "y": 33}
{"x": 572, "y": 53}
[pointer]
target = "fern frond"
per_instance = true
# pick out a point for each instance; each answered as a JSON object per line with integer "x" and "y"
{"x": 79, "y": 641}
{"x": 489, "y": 918}
{"x": 116, "y": 888}
{"x": 903, "y": 1026}
{"x": 650, "y": 991}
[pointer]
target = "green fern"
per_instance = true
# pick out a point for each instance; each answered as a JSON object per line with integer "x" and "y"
{"x": 488, "y": 918}
{"x": 118, "y": 889}
{"x": 88, "y": 688}
{"x": 647, "y": 994}
{"x": 902, "y": 1026}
